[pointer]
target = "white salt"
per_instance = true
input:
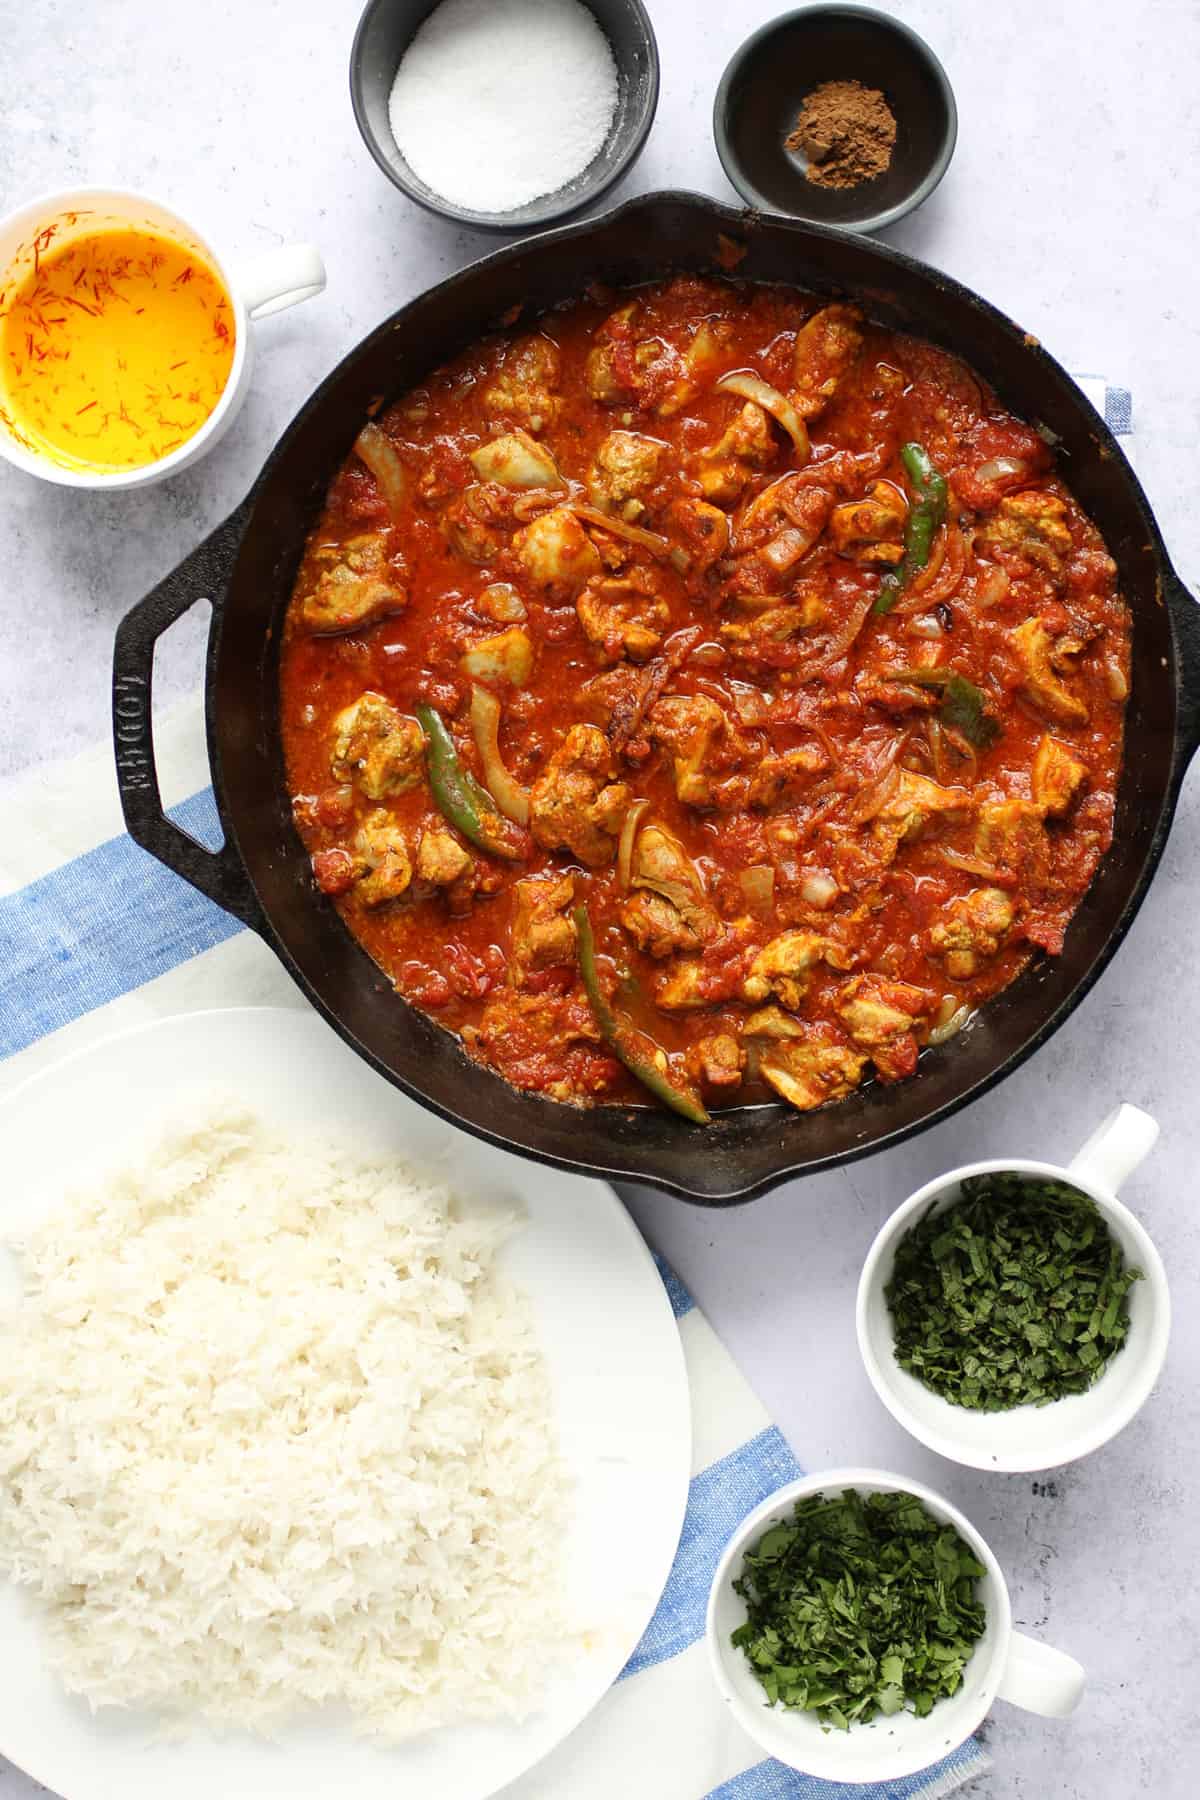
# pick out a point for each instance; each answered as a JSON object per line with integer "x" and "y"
{"x": 497, "y": 102}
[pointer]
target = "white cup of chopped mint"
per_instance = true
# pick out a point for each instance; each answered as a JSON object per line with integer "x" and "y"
{"x": 1014, "y": 1315}
{"x": 859, "y": 1628}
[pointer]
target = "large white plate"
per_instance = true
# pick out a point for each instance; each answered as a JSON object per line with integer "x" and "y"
{"x": 612, "y": 1345}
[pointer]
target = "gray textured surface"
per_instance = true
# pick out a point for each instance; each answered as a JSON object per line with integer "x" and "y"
{"x": 1071, "y": 202}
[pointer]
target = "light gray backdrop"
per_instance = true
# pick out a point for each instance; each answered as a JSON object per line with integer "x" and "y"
{"x": 1071, "y": 203}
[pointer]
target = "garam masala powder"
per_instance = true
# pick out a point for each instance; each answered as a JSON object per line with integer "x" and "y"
{"x": 847, "y": 132}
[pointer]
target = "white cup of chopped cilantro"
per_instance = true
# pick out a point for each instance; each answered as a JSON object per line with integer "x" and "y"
{"x": 1014, "y": 1315}
{"x": 859, "y": 1629}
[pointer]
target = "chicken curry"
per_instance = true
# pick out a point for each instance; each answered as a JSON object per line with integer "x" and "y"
{"x": 703, "y": 693}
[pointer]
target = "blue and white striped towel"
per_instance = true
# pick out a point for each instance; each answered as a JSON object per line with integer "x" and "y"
{"x": 94, "y": 937}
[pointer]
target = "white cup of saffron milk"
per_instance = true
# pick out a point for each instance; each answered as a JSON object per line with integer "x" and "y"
{"x": 1031, "y": 1439}
{"x": 125, "y": 340}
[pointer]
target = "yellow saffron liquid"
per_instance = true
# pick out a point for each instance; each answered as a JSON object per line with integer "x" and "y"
{"x": 114, "y": 350}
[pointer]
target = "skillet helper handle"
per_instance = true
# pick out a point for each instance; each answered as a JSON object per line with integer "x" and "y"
{"x": 218, "y": 874}
{"x": 1185, "y": 616}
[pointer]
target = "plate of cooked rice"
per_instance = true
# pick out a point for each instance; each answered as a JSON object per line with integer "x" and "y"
{"x": 339, "y": 1452}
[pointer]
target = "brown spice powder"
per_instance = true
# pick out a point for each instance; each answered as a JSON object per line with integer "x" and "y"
{"x": 847, "y": 132}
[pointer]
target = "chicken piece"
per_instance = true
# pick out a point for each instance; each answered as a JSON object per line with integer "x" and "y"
{"x": 517, "y": 1032}
{"x": 1057, "y": 777}
{"x": 785, "y": 965}
{"x": 1011, "y": 836}
{"x": 678, "y": 379}
{"x": 879, "y": 1016}
{"x": 624, "y": 615}
{"x": 1032, "y": 525}
{"x": 626, "y": 465}
{"x": 773, "y": 625}
{"x": 700, "y": 530}
{"x": 573, "y": 806}
{"x": 726, "y": 467}
{"x": 662, "y": 866}
{"x": 877, "y": 688}
{"x": 556, "y": 553}
{"x": 656, "y": 927}
{"x": 543, "y": 933}
{"x": 783, "y": 776}
{"x": 807, "y": 1072}
{"x": 972, "y": 927}
{"x": 507, "y": 657}
{"x": 515, "y": 460}
{"x": 617, "y": 698}
{"x": 501, "y": 603}
{"x": 716, "y": 1062}
{"x": 683, "y": 989}
{"x": 525, "y": 386}
{"x": 779, "y": 528}
{"x": 381, "y": 846}
{"x": 701, "y": 739}
{"x": 1034, "y": 645}
{"x": 478, "y": 523}
{"x": 441, "y": 859}
{"x": 913, "y": 806}
{"x": 378, "y": 747}
{"x": 772, "y": 1022}
{"x": 711, "y": 340}
{"x": 786, "y": 500}
{"x": 604, "y": 382}
{"x": 826, "y": 347}
{"x": 871, "y": 529}
{"x": 357, "y": 585}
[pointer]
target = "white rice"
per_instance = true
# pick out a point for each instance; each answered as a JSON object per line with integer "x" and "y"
{"x": 274, "y": 1432}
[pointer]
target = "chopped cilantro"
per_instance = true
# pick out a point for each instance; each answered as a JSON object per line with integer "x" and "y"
{"x": 859, "y": 1604}
{"x": 1014, "y": 1295}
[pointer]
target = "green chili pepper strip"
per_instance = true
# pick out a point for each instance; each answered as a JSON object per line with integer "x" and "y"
{"x": 460, "y": 798}
{"x": 925, "y": 516}
{"x": 636, "y": 1049}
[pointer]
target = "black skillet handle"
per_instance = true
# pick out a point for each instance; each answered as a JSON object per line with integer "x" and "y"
{"x": 1185, "y": 614}
{"x": 204, "y": 574}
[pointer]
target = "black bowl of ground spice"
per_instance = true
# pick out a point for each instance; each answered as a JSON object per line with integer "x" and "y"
{"x": 836, "y": 114}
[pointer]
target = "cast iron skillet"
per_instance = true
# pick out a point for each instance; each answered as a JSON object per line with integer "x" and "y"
{"x": 247, "y": 566}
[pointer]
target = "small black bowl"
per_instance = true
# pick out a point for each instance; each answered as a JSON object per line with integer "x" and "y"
{"x": 384, "y": 33}
{"x": 762, "y": 90}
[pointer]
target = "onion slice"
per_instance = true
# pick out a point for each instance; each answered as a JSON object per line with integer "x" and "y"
{"x": 758, "y": 886}
{"x": 633, "y": 534}
{"x": 952, "y": 1026}
{"x": 509, "y": 795}
{"x": 973, "y": 865}
{"x": 835, "y": 647}
{"x": 375, "y": 448}
{"x": 937, "y": 556}
{"x": 629, "y": 829}
{"x": 818, "y": 889}
{"x": 993, "y": 588}
{"x": 786, "y": 548}
{"x": 1002, "y": 468}
{"x": 753, "y": 387}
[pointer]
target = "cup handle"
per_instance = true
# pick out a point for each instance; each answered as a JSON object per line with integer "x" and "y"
{"x": 1040, "y": 1679}
{"x": 1115, "y": 1149}
{"x": 280, "y": 278}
